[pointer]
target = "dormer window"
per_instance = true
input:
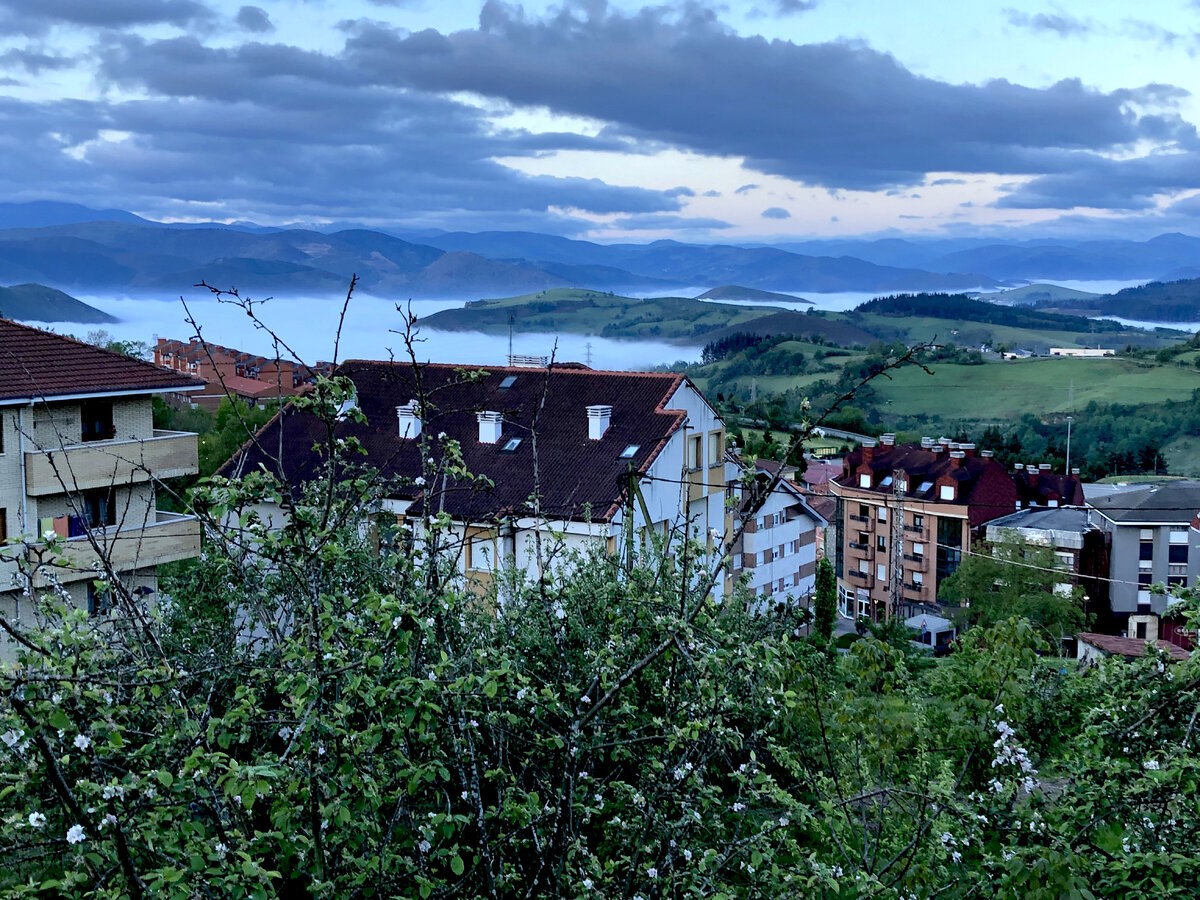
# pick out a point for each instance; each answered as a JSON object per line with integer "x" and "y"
{"x": 864, "y": 481}
{"x": 630, "y": 451}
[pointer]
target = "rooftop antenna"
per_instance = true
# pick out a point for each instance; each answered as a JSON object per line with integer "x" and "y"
{"x": 510, "y": 337}
{"x": 588, "y": 347}
{"x": 899, "y": 488}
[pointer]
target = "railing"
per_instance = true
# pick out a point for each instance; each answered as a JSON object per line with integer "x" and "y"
{"x": 915, "y": 557}
{"x": 854, "y": 573}
{"x": 854, "y": 545}
{"x": 860, "y": 518}
{"x": 915, "y": 529}
{"x": 918, "y": 588}
{"x": 168, "y": 537}
{"x": 100, "y": 464}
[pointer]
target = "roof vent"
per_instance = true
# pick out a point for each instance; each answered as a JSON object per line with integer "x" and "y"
{"x": 1045, "y": 467}
{"x": 490, "y": 426}
{"x": 926, "y": 443}
{"x": 1019, "y": 467}
{"x": 598, "y": 418}
{"x": 957, "y": 454}
{"x": 945, "y": 441}
{"x": 1074, "y": 470}
{"x": 936, "y": 448}
{"x": 410, "y": 419}
{"x": 888, "y": 440}
{"x": 986, "y": 454}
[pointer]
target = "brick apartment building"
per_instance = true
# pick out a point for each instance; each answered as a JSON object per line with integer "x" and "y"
{"x": 908, "y": 513}
{"x": 225, "y": 371}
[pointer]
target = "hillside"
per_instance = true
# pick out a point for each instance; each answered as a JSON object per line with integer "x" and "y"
{"x": 1171, "y": 301}
{"x": 1038, "y": 295}
{"x": 963, "y": 308}
{"x": 38, "y": 303}
{"x": 735, "y": 292}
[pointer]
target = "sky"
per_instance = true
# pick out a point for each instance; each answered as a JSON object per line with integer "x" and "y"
{"x": 768, "y": 120}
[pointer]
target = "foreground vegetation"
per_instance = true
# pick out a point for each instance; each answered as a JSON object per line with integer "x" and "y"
{"x": 324, "y": 711}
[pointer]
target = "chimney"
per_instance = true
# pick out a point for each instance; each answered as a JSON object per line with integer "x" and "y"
{"x": 936, "y": 449}
{"x": 956, "y": 458}
{"x": 968, "y": 449}
{"x": 598, "y": 418}
{"x": 945, "y": 441}
{"x": 410, "y": 420}
{"x": 1044, "y": 467}
{"x": 868, "y": 451}
{"x": 926, "y": 443}
{"x": 1075, "y": 470}
{"x": 1019, "y": 467}
{"x": 986, "y": 454}
{"x": 490, "y": 426}
{"x": 888, "y": 440}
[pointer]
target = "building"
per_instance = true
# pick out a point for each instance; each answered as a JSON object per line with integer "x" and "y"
{"x": 1155, "y": 540}
{"x": 80, "y": 458}
{"x": 1081, "y": 352}
{"x": 254, "y": 379}
{"x": 907, "y": 514}
{"x": 1080, "y": 545}
{"x": 777, "y": 550}
{"x": 614, "y": 449}
{"x": 1095, "y": 647}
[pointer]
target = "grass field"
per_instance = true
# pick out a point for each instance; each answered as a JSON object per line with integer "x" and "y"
{"x": 1007, "y": 390}
{"x": 1183, "y": 456}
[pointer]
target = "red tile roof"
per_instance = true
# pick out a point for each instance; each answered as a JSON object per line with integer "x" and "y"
{"x": 1130, "y": 648}
{"x": 37, "y": 365}
{"x": 579, "y": 477}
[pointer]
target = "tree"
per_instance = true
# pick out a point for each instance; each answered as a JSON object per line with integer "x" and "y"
{"x": 1015, "y": 578}
{"x": 825, "y": 598}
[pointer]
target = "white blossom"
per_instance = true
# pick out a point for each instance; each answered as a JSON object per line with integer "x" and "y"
{"x": 221, "y": 850}
{"x": 424, "y": 846}
{"x": 687, "y": 854}
{"x": 1151, "y": 765}
{"x": 419, "y": 481}
{"x": 82, "y": 742}
{"x": 36, "y": 820}
{"x": 739, "y": 806}
{"x": 11, "y": 737}
{"x": 652, "y": 872}
{"x": 75, "y": 834}
{"x": 587, "y": 883}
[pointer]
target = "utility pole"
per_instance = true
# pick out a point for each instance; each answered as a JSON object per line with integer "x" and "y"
{"x": 1068, "y": 471}
{"x": 899, "y": 487}
{"x": 510, "y": 338}
{"x": 588, "y": 347}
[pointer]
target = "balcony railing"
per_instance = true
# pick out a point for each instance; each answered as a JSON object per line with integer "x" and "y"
{"x": 918, "y": 588}
{"x": 915, "y": 529}
{"x": 168, "y": 537}
{"x": 860, "y": 519}
{"x": 99, "y": 464}
{"x": 854, "y": 573}
{"x": 854, "y": 545}
{"x": 918, "y": 558}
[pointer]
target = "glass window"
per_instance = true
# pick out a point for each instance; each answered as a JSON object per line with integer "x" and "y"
{"x": 881, "y": 572}
{"x": 918, "y": 521}
{"x": 629, "y": 451}
{"x": 96, "y": 420}
{"x": 881, "y": 543}
{"x": 918, "y": 549}
{"x": 482, "y": 551}
{"x": 946, "y": 492}
{"x": 1146, "y": 550}
{"x": 509, "y": 381}
{"x": 864, "y": 481}
{"x": 716, "y": 448}
{"x": 1177, "y": 553}
{"x": 1179, "y": 536}
{"x": 695, "y": 451}
{"x": 511, "y": 445}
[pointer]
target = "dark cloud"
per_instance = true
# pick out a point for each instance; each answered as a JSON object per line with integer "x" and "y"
{"x": 665, "y": 222}
{"x": 835, "y": 115}
{"x": 1130, "y": 184}
{"x": 34, "y": 62}
{"x": 712, "y": 193}
{"x": 681, "y": 191}
{"x": 1057, "y": 23}
{"x": 792, "y": 7}
{"x": 254, "y": 19}
{"x": 939, "y": 182}
{"x": 746, "y": 188}
{"x": 274, "y": 132}
{"x": 776, "y": 212}
{"x": 34, "y": 16}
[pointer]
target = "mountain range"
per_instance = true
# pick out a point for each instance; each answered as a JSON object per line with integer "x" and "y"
{"x": 73, "y": 247}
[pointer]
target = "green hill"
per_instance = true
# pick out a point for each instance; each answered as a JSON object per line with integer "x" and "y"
{"x": 737, "y": 292}
{"x": 963, "y": 308}
{"x": 1039, "y": 295}
{"x": 38, "y": 303}
{"x": 1158, "y": 301}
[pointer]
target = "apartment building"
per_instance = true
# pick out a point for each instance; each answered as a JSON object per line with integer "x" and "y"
{"x": 1154, "y": 533}
{"x": 621, "y": 457}
{"x": 908, "y": 513}
{"x": 254, "y": 379}
{"x": 80, "y": 459}
{"x": 777, "y": 550}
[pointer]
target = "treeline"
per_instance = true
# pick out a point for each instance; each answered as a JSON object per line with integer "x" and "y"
{"x": 1160, "y": 301}
{"x": 959, "y": 306}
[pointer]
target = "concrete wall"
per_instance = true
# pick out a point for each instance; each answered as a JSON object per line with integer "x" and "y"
{"x": 1125, "y": 564}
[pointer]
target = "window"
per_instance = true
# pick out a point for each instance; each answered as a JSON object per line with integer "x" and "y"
{"x": 99, "y": 509}
{"x": 864, "y": 481}
{"x": 1146, "y": 550}
{"x": 1145, "y": 579}
{"x": 949, "y": 546}
{"x": 511, "y": 445}
{"x": 3, "y": 525}
{"x": 864, "y": 510}
{"x": 918, "y": 521}
{"x": 99, "y": 601}
{"x": 716, "y": 448}
{"x": 509, "y": 381}
{"x": 1177, "y": 553}
{"x": 887, "y": 482}
{"x": 881, "y": 514}
{"x": 629, "y": 451}
{"x": 918, "y": 578}
{"x": 864, "y": 566}
{"x": 918, "y": 549}
{"x": 946, "y": 492}
{"x": 881, "y": 572}
{"x": 881, "y": 543}
{"x": 925, "y": 486}
{"x": 1141, "y": 631}
{"x": 96, "y": 420}
{"x": 482, "y": 550}
{"x": 779, "y": 552}
{"x": 695, "y": 452}
{"x": 1179, "y": 536}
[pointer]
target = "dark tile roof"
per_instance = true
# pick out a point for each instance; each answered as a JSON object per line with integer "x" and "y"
{"x": 1040, "y": 486}
{"x": 1169, "y": 503}
{"x": 579, "y": 477}
{"x": 1075, "y": 519}
{"x": 1130, "y": 648}
{"x": 37, "y": 365}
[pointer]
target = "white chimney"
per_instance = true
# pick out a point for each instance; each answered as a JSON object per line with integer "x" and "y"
{"x": 410, "y": 419}
{"x": 490, "y": 426}
{"x": 598, "y": 418}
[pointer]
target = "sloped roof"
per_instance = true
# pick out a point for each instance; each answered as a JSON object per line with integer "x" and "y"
{"x": 38, "y": 365}
{"x": 1170, "y": 503}
{"x": 578, "y": 477}
{"x": 1130, "y": 648}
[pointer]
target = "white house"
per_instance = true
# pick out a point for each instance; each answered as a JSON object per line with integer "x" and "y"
{"x": 610, "y": 446}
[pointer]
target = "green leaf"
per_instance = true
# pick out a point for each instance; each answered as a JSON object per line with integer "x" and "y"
{"x": 457, "y": 866}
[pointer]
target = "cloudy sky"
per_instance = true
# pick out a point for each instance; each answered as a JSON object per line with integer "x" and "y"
{"x": 745, "y": 120}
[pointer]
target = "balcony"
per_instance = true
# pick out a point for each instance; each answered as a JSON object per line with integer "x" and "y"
{"x": 915, "y": 529}
{"x": 168, "y": 538}
{"x": 854, "y": 545}
{"x": 98, "y": 464}
{"x": 854, "y": 573}
{"x": 916, "y": 588}
{"x": 863, "y": 519}
{"x": 918, "y": 558}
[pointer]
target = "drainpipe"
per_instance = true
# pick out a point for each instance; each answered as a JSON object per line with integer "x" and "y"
{"x": 21, "y": 455}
